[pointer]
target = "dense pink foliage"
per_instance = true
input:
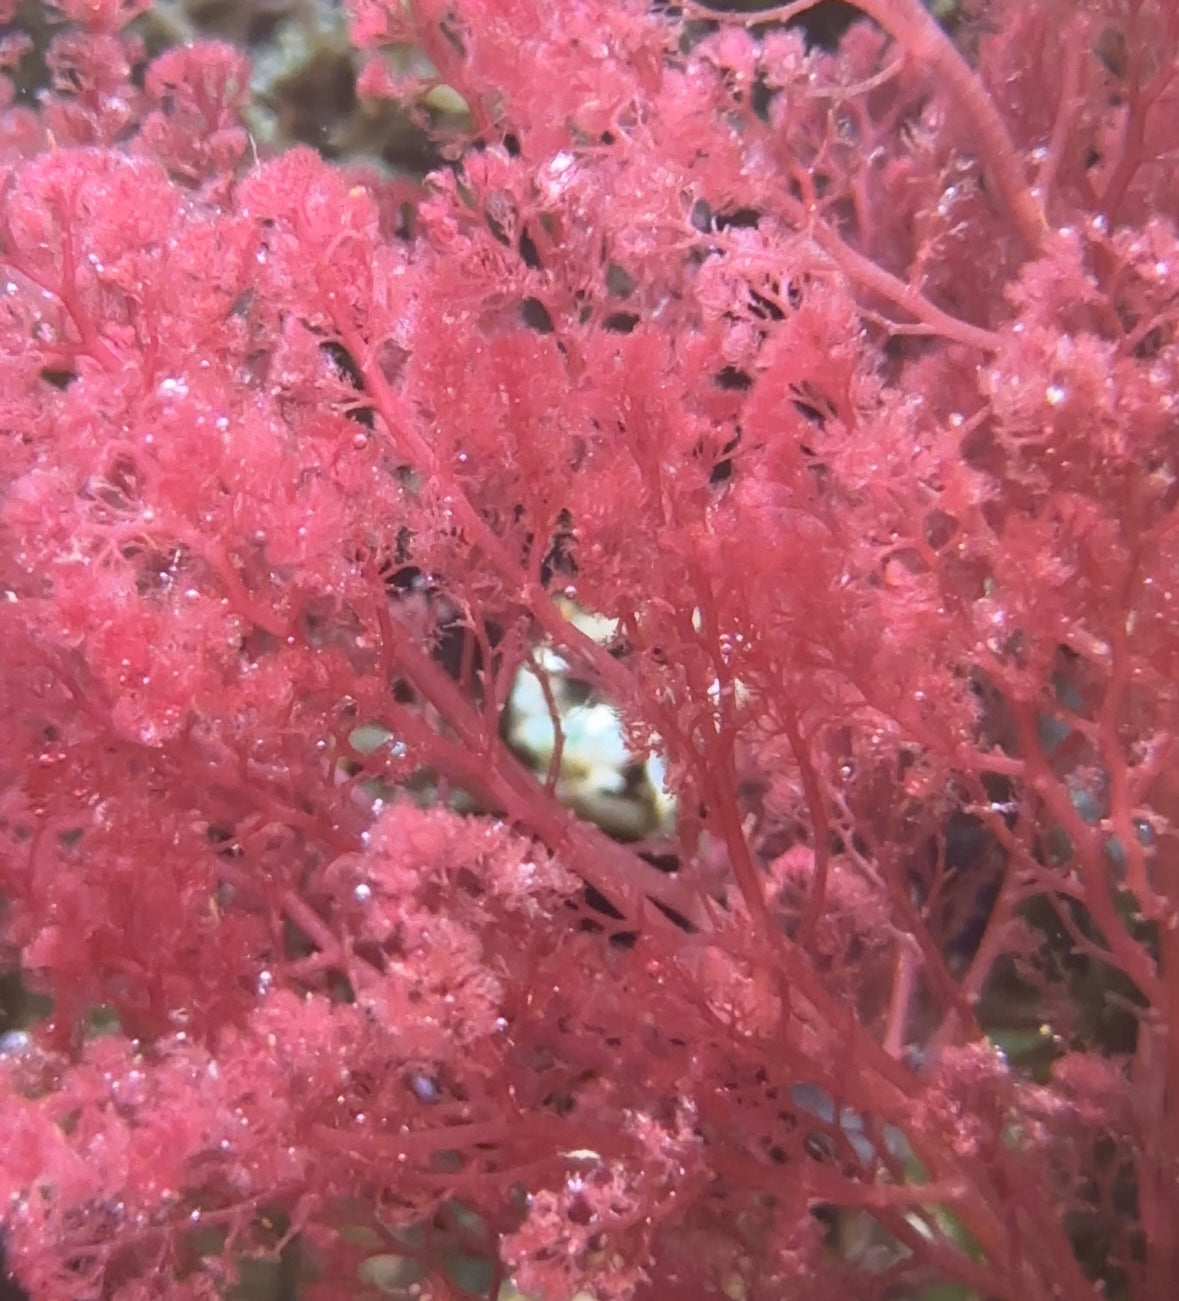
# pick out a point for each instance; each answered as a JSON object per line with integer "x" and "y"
{"x": 847, "y": 384}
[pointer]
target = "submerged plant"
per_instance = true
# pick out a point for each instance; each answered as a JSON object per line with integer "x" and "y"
{"x": 839, "y": 388}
